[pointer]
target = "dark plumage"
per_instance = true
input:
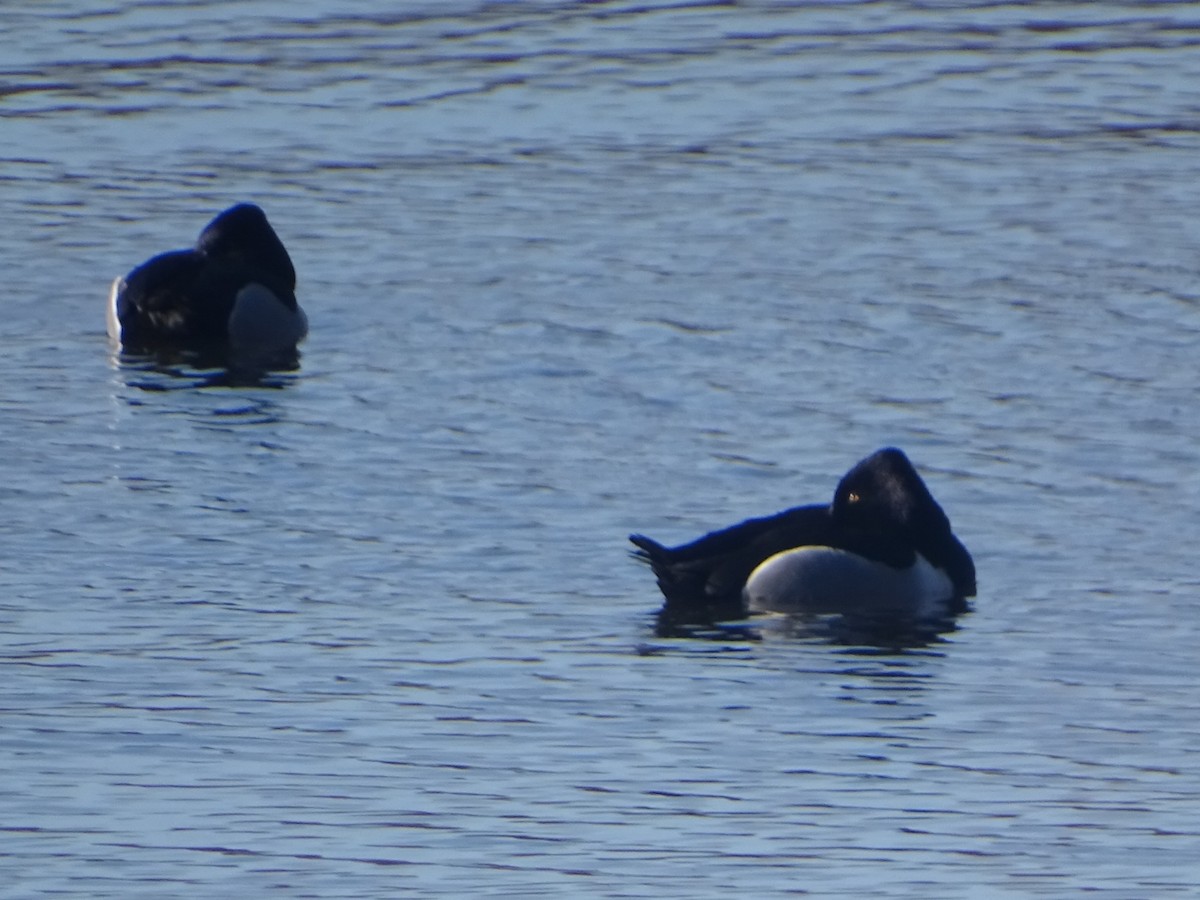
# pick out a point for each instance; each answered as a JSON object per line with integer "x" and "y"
{"x": 236, "y": 286}
{"x": 881, "y": 512}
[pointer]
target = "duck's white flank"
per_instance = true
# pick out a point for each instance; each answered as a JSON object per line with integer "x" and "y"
{"x": 260, "y": 320}
{"x": 825, "y": 580}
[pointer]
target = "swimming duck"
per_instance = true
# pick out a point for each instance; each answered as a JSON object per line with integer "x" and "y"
{"x": 235, "y": 288}
{"x": 882, "y": 546}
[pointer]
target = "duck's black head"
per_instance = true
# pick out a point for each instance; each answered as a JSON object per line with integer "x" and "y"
{"x": 242, "y": 234}
{"x": 883, "y": 495}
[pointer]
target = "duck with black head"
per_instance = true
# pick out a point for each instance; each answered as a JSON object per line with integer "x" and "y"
{"x": 882, "y": 547}
{"x": 235, "y": 290}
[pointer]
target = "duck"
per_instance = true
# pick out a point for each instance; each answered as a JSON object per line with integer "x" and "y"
{"x": 236, "y": 288}
{"x": 883, "y": 546}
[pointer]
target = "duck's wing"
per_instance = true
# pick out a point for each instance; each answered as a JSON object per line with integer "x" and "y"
{"x": 703, "y": 580}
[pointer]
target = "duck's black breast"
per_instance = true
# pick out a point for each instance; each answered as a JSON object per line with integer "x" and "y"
{"x": 949, "y": 554}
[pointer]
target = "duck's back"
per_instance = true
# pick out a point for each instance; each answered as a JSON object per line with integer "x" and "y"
{"x": 703, "y": 580}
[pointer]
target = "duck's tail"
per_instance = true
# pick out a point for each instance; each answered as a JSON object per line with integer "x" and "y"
{"x": 684, "y": 585}
{"x": 648, "y": 551}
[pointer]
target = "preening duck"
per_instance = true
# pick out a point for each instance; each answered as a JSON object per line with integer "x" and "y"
{"x": 882, "y": 546}
{"x": 235, "y": 288}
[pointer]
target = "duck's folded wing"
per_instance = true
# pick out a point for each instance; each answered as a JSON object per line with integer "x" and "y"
{"x": 707, "y": 575}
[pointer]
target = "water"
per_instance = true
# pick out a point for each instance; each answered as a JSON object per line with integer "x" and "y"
{"x": 574, "y": 270}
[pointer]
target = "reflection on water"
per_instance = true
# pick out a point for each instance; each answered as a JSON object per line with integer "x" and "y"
{"x": 880, "y": 632}
{"x": 577, "y": 268}
{"x": 895, "y": 633}
{"x": 169, "y": 370}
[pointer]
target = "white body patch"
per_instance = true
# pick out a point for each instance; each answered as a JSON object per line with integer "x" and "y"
{"x": 114, "y": 324}
{"x": 260, "y": 322}
{"x": 823, "y": 580}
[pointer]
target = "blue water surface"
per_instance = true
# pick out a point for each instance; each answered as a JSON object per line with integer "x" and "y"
{"x": 368, "y": 628}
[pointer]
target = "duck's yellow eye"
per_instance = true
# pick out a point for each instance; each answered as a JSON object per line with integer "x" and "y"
{"x": 853, "y": 498}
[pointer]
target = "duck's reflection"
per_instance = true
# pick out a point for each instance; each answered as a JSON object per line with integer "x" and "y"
{"x": 886, "y": 632}
{"x": 173, "y": 369}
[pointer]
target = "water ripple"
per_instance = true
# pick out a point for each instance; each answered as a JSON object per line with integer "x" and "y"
{"x": 578, "y": 269}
